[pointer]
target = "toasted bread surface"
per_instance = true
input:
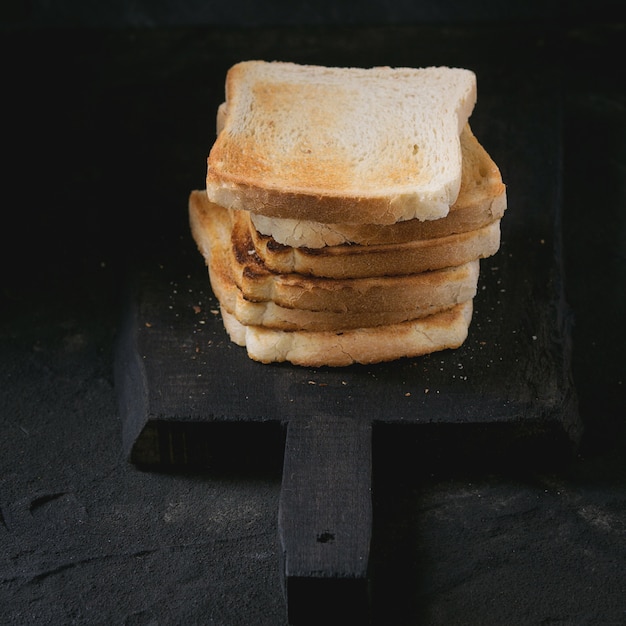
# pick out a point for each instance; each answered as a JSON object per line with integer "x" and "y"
{"x": 358, "y": 261}
{"x": 341, "y": 145}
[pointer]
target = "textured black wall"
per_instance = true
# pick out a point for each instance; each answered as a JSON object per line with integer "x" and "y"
{"x": 156, "y": 13}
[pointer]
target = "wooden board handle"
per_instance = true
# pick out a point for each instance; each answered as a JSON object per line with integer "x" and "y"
{"x": 325, "y": 519}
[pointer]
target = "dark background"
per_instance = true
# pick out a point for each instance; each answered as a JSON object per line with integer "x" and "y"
{"x": 166, "y": 13}
{"x": 107, "y": 119}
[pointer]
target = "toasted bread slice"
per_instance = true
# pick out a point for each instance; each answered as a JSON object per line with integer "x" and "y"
{"x": 341, "y": 145}
{"x": 229, "y": 252}
{"x": 447, "y": 329}
{"x": 355, "y": 261}
{"x": 481, "y": 200}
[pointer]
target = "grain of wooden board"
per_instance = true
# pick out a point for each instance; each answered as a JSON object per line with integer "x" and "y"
{"x": 188, "y": 396}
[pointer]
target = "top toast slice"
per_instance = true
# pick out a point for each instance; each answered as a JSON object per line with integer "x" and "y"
{"x": 341, "y": 145}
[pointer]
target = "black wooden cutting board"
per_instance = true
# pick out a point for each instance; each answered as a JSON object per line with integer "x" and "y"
{"x": 188, "y": 396}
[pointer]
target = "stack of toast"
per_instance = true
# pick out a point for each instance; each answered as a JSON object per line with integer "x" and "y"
{"x": 346, "y": 211}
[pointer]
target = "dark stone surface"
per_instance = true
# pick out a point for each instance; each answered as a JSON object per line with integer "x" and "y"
{"x": 94, "y": 121}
